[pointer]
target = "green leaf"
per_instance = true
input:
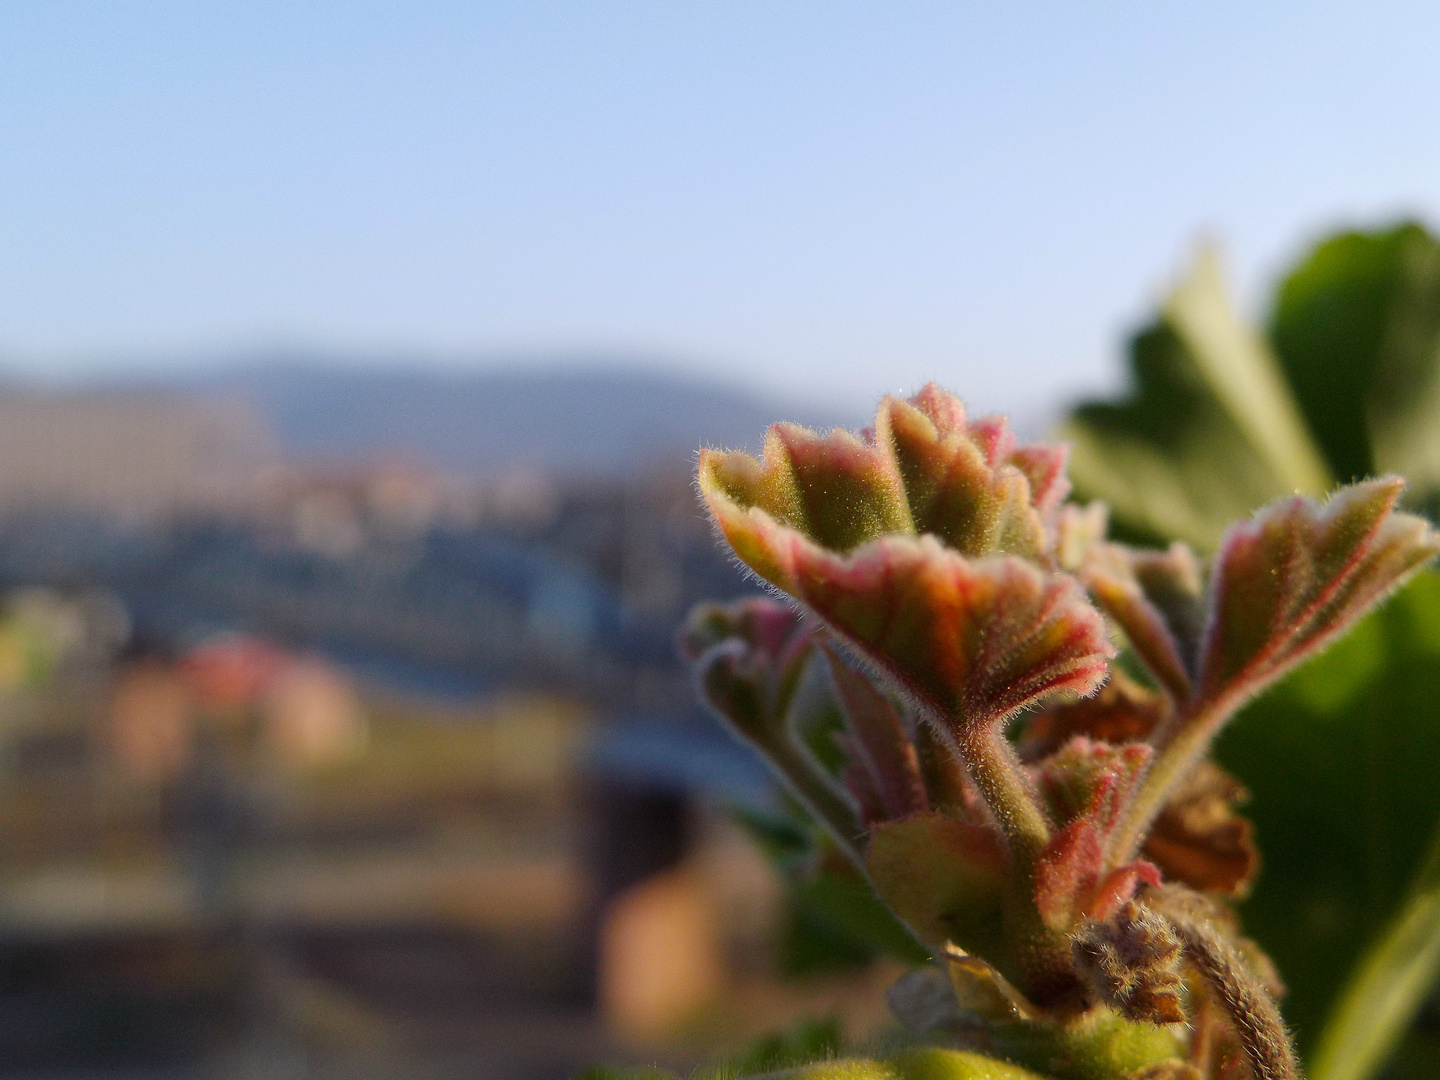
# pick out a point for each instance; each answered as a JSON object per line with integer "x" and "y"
{"x": 942, "y": 876}
{"x": 833, "y": 919}
{"x": 1343, "y": 796}
{"x": 1208, "y": 433}
{"x": 840, "y": 916}
{"x": 800, "y": 1044}
{"x": 1387, "y": 987}
{"x": 1357, "y": 330}
{"x": 923, "y": 1063}
{"x": 1298, "y": 574}
{"x": 1238, "y": 365}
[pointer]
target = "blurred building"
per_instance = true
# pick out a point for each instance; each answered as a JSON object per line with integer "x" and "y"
{"x": 130, "y": 455}
{"x": 315, "y": 754}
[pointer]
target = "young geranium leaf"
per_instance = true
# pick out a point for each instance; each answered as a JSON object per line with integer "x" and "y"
{"x": 1086, "y": 783}
{"x": 921, "y": 469}
{"x": 959, "y": 482}
{"x": 748, "y": 657}
{"x": 973, "y": 641}
{"x": 1122, "y": 712}
{"x": 1296, "y": 575}
{"x": 738, "y": 687}
{"x": 832, "y": 521}
{"x": 1110, "y": 575}
{"x": 770, "y": 628}
{"x": 1172, "y": 581}
{"x": 941, "y": 875}
{"x": 1199, "y": 840}
{"x": 1284, "y": 585}
{"x": 1091, "y": 779}
{"x": 1044, "y": 466}
{"x": 879, "y": 744}
{"x": 1072, "y": 880}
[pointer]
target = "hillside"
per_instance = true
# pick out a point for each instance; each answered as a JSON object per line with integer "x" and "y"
{"x": 568, "y": 421}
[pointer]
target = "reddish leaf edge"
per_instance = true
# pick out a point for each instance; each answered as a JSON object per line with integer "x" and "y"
{"x": 1406, "y": 541}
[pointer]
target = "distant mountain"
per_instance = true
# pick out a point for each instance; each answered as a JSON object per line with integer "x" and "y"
{"x": 576, "y": 421}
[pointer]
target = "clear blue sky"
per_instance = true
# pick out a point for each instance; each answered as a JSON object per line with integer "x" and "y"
{"x": 824, "y": 198}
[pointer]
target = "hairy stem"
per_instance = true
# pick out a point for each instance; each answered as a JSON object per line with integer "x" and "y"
{"x": 1251, "y": 1011}
{"x": 996, "y": 771}
{"x": 1179, "y": 744}
{"x": 947, "y": 783}
{"x": 807, "y": 782}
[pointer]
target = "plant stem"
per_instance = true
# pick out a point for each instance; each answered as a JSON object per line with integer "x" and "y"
{"x": 1179, "y": 744}
{"x": 997, "y": 773}
{"x": 1251, "y": 1011}
{"x": 803, "y": 777}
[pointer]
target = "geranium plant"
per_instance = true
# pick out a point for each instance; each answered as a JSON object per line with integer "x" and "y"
{"x": 1027, "y": 714}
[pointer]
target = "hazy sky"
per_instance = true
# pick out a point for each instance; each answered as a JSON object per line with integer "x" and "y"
{"x": 826, "y": 198}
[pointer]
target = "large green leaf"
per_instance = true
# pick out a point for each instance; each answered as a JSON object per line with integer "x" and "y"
{"x": 1243, "y": 374}
{"x": 1208, "y": 432}
{"x": 1357, "y": 330}
{"x": 1387, "y": 986}
{"x": 1342, "y": 756}
{"x": 1342, "y": 759}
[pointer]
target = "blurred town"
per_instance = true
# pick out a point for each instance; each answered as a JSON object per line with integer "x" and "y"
{"x": 341, "y": 764}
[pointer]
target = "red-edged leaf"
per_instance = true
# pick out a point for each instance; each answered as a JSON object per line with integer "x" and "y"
{"x": 958, "y": 482}
{"x": 1086, "y": 783}
{"x": 1067, "y": 872}
{"x": 1118, "y": 887}
{"x": 766, "y": 626}
{"x": 1295, "y": 576}
{"x": 1091, "y": 779}
{"x": 878, "y": 744}
{"x": 942, "y": 876}
{"x": 1073, "y": 883}
{"x": 921, "y": 469}
{"x": 738, "y": 687}
{"x": 1155, "y": 598}
{"x": 747, "y": 657}
{"x": 1122, "y": 712}
{"x": 1044, "y": 467}
{"x": 974, "y": 641}
{"x": 1172, "y": 581}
